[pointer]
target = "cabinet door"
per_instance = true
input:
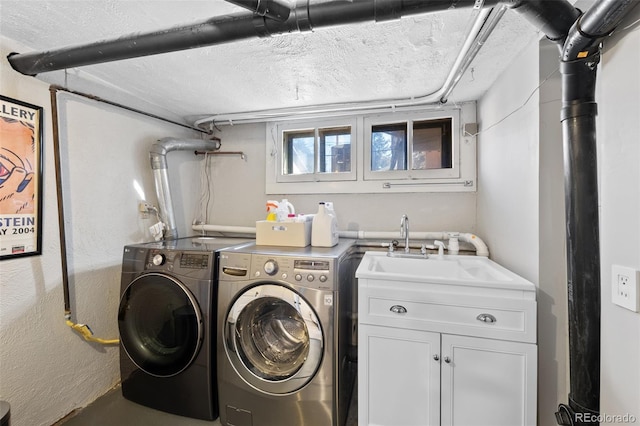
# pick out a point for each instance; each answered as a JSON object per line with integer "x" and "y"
{"x": 398, "y": 377}
{"x": 488, "y": 382}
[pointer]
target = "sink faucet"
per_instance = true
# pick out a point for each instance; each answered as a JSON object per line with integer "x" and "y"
{"x": 404, "y": 231}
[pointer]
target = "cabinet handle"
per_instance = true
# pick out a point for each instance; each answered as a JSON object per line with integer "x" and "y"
{"x": 447, "y": 359}
{"x": 488, "y": 318}
{"x": 436, "y": 357}
{"x": 398, "y": 309}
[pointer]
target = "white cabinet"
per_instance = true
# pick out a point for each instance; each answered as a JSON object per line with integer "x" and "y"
{"x": 487, "y": 382}
{"x": 446, "y": 355}
{"x": 387, "y": 374}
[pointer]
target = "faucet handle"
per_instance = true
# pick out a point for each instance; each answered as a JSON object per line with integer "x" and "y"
{"x": 392, "y": 245}
{"x": 404, "y": 225}
{"x": 440, "y": 246}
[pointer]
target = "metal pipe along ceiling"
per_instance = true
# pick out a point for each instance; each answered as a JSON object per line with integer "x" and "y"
{"x": 305, "y": 16}
{"x": 273, "y": 9}
{"x": 483, "y": 23}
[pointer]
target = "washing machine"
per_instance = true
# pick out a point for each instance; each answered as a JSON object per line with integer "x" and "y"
{"x": 284, "y": 331}
{"x": 166, "y": 320}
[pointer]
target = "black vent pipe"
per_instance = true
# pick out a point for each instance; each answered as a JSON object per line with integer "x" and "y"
{"x": 273, "y": 9}
{"x": 580, "y": 58}
{"x": 578, "y": 115}
{"x": 553, "y": 18}
{"x": 305, "y": 16}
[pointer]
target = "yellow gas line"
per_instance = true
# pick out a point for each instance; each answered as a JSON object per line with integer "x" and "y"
{"x": 86, "y": 332}
{"x": 81, "y": 329}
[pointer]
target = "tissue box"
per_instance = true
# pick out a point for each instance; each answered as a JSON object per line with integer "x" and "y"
{"x": 291, "y": 234}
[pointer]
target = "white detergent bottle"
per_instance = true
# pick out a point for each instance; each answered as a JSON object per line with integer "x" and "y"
{"x": 284, "y": 209}
{"x": 328, "y": 205}
{"x": 324, "y": 229}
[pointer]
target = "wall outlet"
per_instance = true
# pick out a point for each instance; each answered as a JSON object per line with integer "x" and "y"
{"x": 624, "y": 287}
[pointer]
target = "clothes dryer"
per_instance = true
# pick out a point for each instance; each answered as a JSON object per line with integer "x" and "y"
{"x": 284, "y": 330}
{"x": 166, "y": 320}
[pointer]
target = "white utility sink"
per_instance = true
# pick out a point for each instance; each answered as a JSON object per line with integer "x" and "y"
{"x": 445, "y": 340}
{"x": 449, "y": 269}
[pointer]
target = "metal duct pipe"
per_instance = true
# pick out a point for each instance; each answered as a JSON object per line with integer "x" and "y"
{"x": 158, "y": 157}
{"x": 580, "y": 58}
{"x": 305, "y": 16}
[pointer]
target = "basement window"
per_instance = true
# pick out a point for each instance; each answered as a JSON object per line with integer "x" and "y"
{"x": 331, "y": 147}
{"x": 412, "y": 148}
{"x": 402, "y": 151}
{"x": 321, "y": 153}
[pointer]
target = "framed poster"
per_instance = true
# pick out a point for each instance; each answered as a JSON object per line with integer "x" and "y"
{"x": 20, "y": 179}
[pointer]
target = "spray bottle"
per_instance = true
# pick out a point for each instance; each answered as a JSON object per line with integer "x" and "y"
{"x": 272, "y": 208}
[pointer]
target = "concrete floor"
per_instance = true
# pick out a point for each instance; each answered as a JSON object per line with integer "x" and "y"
{"x": 112, "y": 409}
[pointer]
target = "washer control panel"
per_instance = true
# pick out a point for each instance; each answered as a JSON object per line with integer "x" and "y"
{"x": 316, "y": 273}
{"x": 271, "y": 267}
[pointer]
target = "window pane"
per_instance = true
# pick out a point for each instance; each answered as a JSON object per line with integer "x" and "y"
{"x": 298, "y": 152}
{"x": 335, "y": 150}
{"x": 432, "y": 145}
{"x": 389, "y": 147}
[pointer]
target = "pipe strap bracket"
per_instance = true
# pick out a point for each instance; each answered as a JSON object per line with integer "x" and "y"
{"x": 579, "y": 110}
{"x": 301, "y": 12}
{"x": 386, "y": 10}
{"x": 260, "y": 25}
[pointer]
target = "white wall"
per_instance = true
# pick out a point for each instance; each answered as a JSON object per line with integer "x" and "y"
{"x": 618, "y": 96}
{"x": 46, "y": 370}
{"x": 552, "y": 291}
{"x": 239, "y": 195}
{"x": 520, "y": 200}
{"x": 508, "y": 161}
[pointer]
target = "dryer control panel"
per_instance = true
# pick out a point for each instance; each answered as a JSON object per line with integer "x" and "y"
{"x": 174, "y": 261}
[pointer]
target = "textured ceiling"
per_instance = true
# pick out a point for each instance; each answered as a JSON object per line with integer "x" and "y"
{"x": 363, "y": 62}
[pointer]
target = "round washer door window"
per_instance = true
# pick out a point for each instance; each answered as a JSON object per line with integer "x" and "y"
{"x": 274, "y": 339}
{"x": 160, "y": 325}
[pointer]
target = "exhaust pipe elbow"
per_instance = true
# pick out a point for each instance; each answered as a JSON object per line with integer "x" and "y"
{"x": 159, "y": 150}
{"x": 158, "y": 156}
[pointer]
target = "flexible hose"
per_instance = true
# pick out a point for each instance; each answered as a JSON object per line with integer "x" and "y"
{"x": 85, "y": 331}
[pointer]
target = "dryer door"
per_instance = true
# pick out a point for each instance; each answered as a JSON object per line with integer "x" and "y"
{"x": 273, "y": 338}
{"x": 160, "y": 324}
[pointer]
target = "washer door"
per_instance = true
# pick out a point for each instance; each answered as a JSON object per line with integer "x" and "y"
{"x": 160, "y": 324}
{"x": 273, "y": 338}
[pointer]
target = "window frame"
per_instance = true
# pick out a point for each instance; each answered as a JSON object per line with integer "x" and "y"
{"x": 314, "y": 126}
{"x": 410, "y": 173}
{"x": 462, "y": 177}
